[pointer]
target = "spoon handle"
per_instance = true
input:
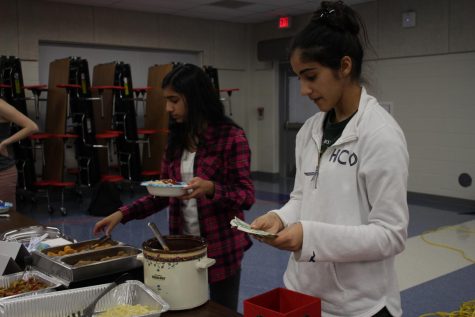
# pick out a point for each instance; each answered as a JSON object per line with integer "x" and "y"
{"x": 159, "y": 237}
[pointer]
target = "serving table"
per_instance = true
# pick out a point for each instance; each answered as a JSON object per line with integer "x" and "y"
{"x": 210, "y": 309}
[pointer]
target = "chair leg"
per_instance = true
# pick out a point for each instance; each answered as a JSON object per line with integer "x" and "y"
{"x": 129, "y": 158}
{"x": 62, "y": 209}
{"x": 50, "y": 207}
{"x": 23, "y": 176}
{"x": 144, "y": 106}
{"x": 78, "y": 191}
{"x": 148, "y": 146}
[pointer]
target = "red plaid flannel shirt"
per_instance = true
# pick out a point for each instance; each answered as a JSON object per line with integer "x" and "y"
{"x": 224, "y": 158}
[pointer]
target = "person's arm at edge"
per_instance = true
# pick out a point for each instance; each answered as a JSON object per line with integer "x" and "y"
{"x": 11, "y": 114}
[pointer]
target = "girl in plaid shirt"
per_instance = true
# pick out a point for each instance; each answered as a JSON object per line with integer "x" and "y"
{"x": 211, "y": 153}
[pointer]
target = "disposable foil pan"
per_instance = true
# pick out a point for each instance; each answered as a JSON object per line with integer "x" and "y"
{"x": 7, "y": 280}
{"x": 25, "y": 234}
{"x": 65, "y": 269}
{"x": 69, "y": 302}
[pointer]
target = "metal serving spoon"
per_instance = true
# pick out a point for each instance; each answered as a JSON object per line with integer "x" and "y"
{"x": 89, "y": 311}
{"x": 157, "y": 235}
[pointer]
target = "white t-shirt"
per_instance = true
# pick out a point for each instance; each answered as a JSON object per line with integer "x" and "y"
{"x": 189, "y": 207}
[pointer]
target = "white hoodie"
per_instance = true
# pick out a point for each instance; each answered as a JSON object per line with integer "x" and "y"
{"x": 354, "y": 215}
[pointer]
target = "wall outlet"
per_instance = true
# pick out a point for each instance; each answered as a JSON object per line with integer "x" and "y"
{"x": 409, "y": 19}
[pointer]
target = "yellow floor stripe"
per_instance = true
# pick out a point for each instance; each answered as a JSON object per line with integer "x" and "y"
{"x": 421, "y": 262}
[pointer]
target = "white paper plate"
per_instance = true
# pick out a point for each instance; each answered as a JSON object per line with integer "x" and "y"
{"x": 165, "y": 190}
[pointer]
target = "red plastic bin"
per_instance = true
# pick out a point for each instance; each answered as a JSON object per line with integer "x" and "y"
{"x": 282, "y": 302}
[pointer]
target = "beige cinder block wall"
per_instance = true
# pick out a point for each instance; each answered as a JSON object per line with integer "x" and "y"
{"x": 426, "y": 72}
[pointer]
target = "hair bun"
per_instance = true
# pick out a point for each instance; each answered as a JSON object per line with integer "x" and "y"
{"x": 337, "y": 16}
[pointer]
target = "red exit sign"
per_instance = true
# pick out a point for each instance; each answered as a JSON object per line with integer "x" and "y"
{"x": 284, "y": 22}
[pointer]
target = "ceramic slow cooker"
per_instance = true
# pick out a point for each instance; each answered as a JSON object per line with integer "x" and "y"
{"x": 180, "y": 275}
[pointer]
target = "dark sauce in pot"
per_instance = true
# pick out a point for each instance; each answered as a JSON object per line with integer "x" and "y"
{"x": 176, "y": 243}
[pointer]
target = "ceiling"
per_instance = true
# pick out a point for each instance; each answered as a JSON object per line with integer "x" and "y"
{"x": 241, "y": 11}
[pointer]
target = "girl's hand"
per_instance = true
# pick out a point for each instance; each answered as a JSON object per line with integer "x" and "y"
{"x": 200, "y": 187}
{"x": 270, "y": 222}
{"x": 290, "y": 239}
{"x": 108, "y": 223}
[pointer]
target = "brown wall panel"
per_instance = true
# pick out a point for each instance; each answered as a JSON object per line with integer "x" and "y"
{"x": 56, "y": 119}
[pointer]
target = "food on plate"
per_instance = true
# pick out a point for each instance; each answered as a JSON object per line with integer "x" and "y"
{"x": 165, "y": 187}
{"x": 126, "y": 310}
{"x": 168, "y": 181}
{"x": 22, "y": 286}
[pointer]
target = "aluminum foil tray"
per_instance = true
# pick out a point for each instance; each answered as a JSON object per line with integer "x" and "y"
{"x": 25, "y": 234}
{"x": 7, "y": 280}
{"x": 65, "y": 269}
{"x": 69, "y": 302}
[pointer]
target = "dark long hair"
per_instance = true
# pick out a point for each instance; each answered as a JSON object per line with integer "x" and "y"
{"x": 333, "y": 32}
{"x": 203, "y": 104}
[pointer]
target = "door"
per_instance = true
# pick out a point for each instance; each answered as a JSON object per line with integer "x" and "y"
{"x": 294, "y": 110}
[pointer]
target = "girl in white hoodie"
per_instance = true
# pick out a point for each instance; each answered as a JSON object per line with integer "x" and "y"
{"x": 347, "y": 216}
